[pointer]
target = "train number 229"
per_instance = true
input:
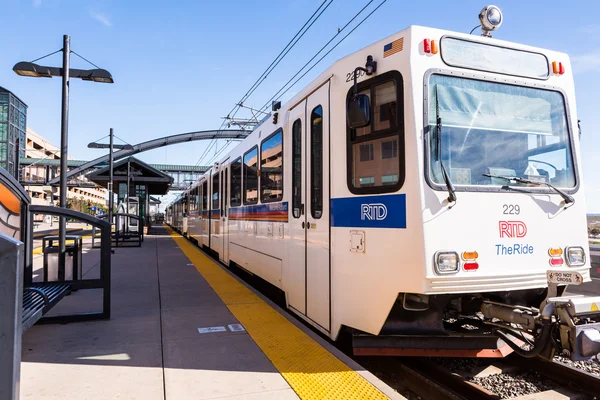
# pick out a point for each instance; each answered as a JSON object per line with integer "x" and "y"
{"x": 511, "y": 209}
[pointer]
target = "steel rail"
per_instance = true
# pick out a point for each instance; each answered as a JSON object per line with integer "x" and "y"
{"x": 566, "y": 375}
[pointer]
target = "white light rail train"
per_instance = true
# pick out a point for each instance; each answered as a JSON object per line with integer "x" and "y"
{"x": 423, "y": 194}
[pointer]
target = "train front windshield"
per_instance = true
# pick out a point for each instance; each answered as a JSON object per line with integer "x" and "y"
{"x": 497, "y": 129}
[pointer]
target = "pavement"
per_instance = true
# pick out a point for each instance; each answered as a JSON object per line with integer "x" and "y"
{"x": 160, "y": 342}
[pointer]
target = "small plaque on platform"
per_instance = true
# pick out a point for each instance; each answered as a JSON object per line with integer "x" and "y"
{"x": 212, "y": 329}
{"x": 236, "y": 328}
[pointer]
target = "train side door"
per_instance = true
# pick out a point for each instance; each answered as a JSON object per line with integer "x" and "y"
{"x": 224, "y": 254}
{"x": 215, "y": 241}
{"x": 296, "y": 289}
{"x": 310, "y": 201}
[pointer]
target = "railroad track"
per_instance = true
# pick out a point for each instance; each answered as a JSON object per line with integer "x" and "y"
{"x": 428, "y": 379}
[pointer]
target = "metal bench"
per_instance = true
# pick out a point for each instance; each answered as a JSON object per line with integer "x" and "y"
{"x": 38, "y": 299}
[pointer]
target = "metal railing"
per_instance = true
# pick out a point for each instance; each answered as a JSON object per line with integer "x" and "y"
{"x": 11, "y": 297}
{"x": 103, "y": 282}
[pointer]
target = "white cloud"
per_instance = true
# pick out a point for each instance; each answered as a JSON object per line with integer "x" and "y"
{"x": 37, "y": 3}
{"x": 586, "y": 62}
{"x": 101, "y": 17}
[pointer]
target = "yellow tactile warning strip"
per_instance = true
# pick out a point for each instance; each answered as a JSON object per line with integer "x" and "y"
{"x": 311, "y": 371}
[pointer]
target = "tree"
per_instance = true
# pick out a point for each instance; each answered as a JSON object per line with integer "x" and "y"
{"x": 595, "y": 231}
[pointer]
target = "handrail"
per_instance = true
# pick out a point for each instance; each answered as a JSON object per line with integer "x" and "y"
{"x": 105, "y": 253}
{"x": 11, "y": 288}
{"x": 65, "y": 212}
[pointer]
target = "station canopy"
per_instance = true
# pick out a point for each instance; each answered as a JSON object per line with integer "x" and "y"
{"x": 140, "y": 173}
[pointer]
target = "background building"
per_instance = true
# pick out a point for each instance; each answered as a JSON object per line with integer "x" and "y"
{"x": 45, "y": 166}
{"x": 13, "y": 124}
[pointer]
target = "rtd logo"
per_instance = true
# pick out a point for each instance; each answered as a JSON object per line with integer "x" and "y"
{"x": 373, "y": 212}
{"x": 512, "y": 229}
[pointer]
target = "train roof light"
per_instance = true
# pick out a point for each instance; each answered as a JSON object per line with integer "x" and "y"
{"x": 558, "y": 68}
{"x": 430, "y": 46}
{"x": 491, "y": 19}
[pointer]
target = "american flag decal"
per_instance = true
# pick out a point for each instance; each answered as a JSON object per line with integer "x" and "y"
{"x": 392, "y": 48}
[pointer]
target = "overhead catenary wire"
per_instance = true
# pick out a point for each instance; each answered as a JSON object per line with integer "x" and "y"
{"x": 307, "y": 25}
{"x": 217, "y": 154}
{"x": 286, "y": 49}
{"x": 281, "y": 91}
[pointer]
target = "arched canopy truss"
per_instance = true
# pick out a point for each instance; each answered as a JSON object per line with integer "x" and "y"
{"x": 156, "y": 143}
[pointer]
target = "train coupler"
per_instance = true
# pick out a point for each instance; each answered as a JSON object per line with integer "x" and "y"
{"x": 566, "y": 325}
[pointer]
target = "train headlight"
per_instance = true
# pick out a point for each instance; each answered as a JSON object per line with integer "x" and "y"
{"x": 446, "y": 262}
{"x": 490, "y": 18}
{"x": 575, "y": 256}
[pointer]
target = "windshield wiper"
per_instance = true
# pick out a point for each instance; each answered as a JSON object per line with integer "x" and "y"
{"x": 438, "y": 128}
{"x": 568, "y": 199}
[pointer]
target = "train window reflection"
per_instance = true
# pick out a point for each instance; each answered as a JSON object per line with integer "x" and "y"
{"x": 236, "y": 183}
{"x": 316, "y": 162}
{"x": 251, "y": 176}
{"x": 271, "y": 168}
{"x": 205, "y": 196}
{"x": 215, "y": 191}
{"x": 297, "y": 168}
{"x": 376, "y": 153}
{"x": 498, "y": 129}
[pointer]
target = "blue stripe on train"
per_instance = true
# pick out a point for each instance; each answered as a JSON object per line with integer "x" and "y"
{"x": 382, "y": 211}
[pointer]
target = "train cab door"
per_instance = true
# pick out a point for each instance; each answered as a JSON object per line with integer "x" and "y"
{"x": 309, "y": 261}
{"x": 224, "y": 254}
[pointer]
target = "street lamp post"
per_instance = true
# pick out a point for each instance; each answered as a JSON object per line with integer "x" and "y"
{"x": 24, "y": 68}
{"x": 64, "y": 151}
{"x": 111, "y": 146}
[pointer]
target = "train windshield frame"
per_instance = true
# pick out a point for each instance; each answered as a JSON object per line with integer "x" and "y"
{"x": 494, "y": 128}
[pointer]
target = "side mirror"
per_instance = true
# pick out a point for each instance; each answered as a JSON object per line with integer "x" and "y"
{"x": 358, "y": 112}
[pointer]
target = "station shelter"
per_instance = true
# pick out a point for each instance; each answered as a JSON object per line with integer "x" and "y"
{"x": 134, "y": 178}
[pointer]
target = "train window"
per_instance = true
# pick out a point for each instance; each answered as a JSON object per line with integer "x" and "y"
{"x": 205, "y": 196}
{"x": 271, "y": 168}
{"x": 366, "y": 152}
{"x": 215, "y": 191}
{"x": 251, "y": 176}
{"x": 375, "y": 158}
{"x": 224, "y": 197}
{"x": 367, "y": 181}
{"x": 316, "y": 162}
{"x": 297, "y": 168}
{"x": 236, "y": 183}
{"x": 192, "y": 196}
{"x": 389, "y": 179}
{"x": 389, "y": 149}
{"x": 497, "y": 128}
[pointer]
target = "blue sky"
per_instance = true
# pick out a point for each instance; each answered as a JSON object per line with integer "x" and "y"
{"x": 181, "y": 66}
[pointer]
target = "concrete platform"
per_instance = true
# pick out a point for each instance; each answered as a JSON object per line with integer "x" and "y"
{"x": 153, "y": 346}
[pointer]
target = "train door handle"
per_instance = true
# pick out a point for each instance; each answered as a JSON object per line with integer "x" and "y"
{"x": 308, "y": 225}
{"x": 302, "y": 224}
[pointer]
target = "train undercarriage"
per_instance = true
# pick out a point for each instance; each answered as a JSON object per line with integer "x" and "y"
{"x": 489, "y": 325}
